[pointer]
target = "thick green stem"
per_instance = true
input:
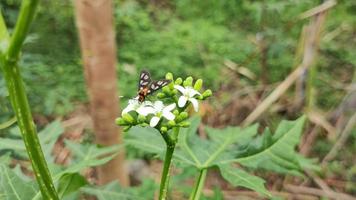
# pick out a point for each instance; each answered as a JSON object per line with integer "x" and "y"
{"x": 18, "y": 98}
{"x": 163, "y": 190}
{"x": 171, "y": 143}
{"x": 199, "y": 185}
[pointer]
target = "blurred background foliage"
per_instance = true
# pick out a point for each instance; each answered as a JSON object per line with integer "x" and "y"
{"x": 198, "y": 38}
{"x": 185, "y": 38}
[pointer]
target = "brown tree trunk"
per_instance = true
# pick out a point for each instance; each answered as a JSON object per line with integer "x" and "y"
{"x": 97, "y": 40}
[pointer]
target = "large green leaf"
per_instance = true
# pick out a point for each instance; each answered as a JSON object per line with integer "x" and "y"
{"x": 239, "y": 177}
{"x": 13, "y": 187}
{"x": 87, "y": 155}
{"x": 276, "y": 153}
{"x": 205, "y": 153}
{"x": 114, "y": 191}
{"x": 149, "y": 140}
{"x": 70, "y": 183}
{"x": 146, "y": 139}
{"x": 48, "y": 137}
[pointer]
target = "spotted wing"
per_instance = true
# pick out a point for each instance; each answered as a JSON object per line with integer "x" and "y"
{"x": 145, "y": 79}
{"x": 156, "y": 85}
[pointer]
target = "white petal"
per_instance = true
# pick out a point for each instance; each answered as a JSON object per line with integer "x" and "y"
{"x": 128, "y": 108}
{"x": 195, "y": 104}
{"x": 147, "y": 103}
{"x": 168, "y": 115}
{"x": 146, "y": 110}
{"x": 180, "y": 88}
{"x": 169, "y": 107}
{"x": 192, "y": 92}
{"x": 182, "y": 101}
{"x": 154, "y": 121}
{"x": 158, "y": 105}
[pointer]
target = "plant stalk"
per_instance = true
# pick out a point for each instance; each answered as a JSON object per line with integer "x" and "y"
{"x": 163, "y": 190}
{"x": 19, "y": 100}
{"x": 199, "y": 185}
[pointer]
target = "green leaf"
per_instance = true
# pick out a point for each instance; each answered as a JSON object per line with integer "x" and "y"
{"x": 87, "y": 155}
{"x": 277, "y": 153}
{"x": 149, "y": 140}
{"x": 48, "y": 137}
{"x": 12, "y": 187}
{"x": 146, "y": 139}
{"x": 114, "y": 191}
{"x": 69, "y": 183}
{"x": 204, "y": 153}
{"x": 239, "y": 177}
{"x": 8, "y": 123}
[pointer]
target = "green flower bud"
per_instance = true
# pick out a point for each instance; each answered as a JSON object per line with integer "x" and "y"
{"x": 207, "y": 93}
{"x": 182, "y": 116}
{"x": 141, "y": 118}
{"x": 161, "y": 95}
{"x": 184, "y": 124}
{"x": 188, "y": 81}
{"x": 171, "y": 85}
{"x": 171, "y": 123}
{"x": 179, "y": 81}
{"x": 176, "y": 112}
{"x": 200, "y": 97}
{"x": 166, "y": 90}
{"x": 198, "y": 84}
{"x": 128, "y": 118}
{"x": 169, "y": 76}
{"x": 120, "y": 121}
{"x": 164, "y": 129}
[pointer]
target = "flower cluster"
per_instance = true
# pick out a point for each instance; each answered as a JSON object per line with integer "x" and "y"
{"x": 169, "y": 110}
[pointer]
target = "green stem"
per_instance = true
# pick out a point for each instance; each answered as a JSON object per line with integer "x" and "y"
{"x": 199, "y": 185}
{"x": 19, "y": 101}
{"x": 163, "y": 190}
{"x": 171, "y": 143}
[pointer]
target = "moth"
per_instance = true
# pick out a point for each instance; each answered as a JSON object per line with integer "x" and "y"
{"x": 146, "y": 86}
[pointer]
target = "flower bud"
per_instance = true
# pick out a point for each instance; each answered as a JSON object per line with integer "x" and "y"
{"x": 128, "y": 118}
{"x": 166, "y": 90}
{"x": 207, "y": 93}
{"x": 171, "y": 123}
{"x": 176, "y": 112}
{"x": 184, "y": 124}
{"x": 169, "y": 76}
{"x": 182, "y": 116}
{"x": 120, "y": 121}
{"x": 164, "y": 129}
{"x": 179, "y": 81}
{"x": 141, "y": 118}
{"x": 198, "y": 84}
{"x": 188, "y": 81}
{"x": 161, "y": 95}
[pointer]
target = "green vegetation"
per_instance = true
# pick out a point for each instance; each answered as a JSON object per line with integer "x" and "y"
{"x": 241, "y": 49}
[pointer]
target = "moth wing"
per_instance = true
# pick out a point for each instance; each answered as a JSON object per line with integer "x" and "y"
{"x": 156, "y": 85}
{"x": 145, "y": 79}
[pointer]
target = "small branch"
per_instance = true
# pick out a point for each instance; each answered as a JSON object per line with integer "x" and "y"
{"x": 318, "y": 9}
{"x": 310, "y": 50}
{"x": 317, "y": 192}
{"x": 341, "y": 141}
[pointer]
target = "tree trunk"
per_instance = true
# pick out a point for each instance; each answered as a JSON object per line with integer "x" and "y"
{"x": 94, "y": 20}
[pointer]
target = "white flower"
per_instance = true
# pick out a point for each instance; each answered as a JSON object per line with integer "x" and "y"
{"x": 188, "y": 95}
{"x": 141, "y": 108}
{"x": 160, "y": 110}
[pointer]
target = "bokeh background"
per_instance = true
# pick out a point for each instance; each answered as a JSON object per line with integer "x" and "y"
{"x": 242, "y": 50}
